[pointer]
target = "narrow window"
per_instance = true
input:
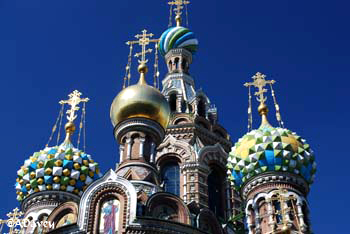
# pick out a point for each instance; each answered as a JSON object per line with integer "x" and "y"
{"x": 171, "y": 178}
{"x": 215, "y": 192}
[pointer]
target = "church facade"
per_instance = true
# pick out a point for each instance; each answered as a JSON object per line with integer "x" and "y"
{"x": 178, "y": 170}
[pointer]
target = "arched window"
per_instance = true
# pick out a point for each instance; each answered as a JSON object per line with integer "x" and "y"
{"x": 201, "y": 108}
{"x": 277, "y": 207}
{"x": 171, "y": 178}
{"x": 177, "y": 60}
{"x": 172, "y": 102}
{"x": 215, "y": 192}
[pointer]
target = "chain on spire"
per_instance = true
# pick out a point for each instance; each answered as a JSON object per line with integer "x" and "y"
{"x": 260, "y": 83}
{"x": 178, "y": 9}
{"x": 74, "y": 101}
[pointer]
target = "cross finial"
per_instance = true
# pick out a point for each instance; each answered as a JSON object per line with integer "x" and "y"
{"x": 143, "y": 40}
{"x": 260, "y": 83}
{"x": 178, "y": 10}
{"x": 73, "y": 101}
{"x": 14, "y": 217}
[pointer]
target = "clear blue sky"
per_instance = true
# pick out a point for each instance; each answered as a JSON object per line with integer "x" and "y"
{"x": 49, "y": 48}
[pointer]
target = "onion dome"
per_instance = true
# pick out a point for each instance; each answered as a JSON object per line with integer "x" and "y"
{"x": 58, "y": 168}
{"x": 177, "y": 37}
{"x": 140, "y": 100}
{"x": 270, "y": 149}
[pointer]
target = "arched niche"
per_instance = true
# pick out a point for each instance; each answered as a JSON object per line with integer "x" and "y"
{"x": 108, "y": 199}
{"x": 167, "y": 206}
{"x": 65, "y": 214}
{"x": 207, "y": 221}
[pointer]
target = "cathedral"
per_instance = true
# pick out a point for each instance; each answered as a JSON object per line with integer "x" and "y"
{"x": 178, "y": 169}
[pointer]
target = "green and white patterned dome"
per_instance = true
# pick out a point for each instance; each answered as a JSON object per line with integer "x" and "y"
{"x": 270, "y": 149}
{"x": 61, "y": 168}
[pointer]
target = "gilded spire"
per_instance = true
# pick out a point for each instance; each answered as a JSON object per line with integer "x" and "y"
{"x": 260, "y": 83}
{"x": 143, "y": 40}
{"x": 178, "y": 10}
{"x": 74, "y": 101}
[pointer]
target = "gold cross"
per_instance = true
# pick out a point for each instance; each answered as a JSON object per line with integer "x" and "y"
{"x": 14, "y": 217}
{"x": 73, "y": 101}
{"x": 143, "y": 40}
{"x": 282, "y": 198}
{"x": 260, "y": 82}
{"x": 179, "y": 6}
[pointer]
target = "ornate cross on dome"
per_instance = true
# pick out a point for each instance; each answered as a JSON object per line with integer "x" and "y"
{"x": 143, "y": 40}
{"x": 178, "y": 10}
{"x": 73, "y": 101}
{"x": 14, "y": 218}
{"x": 282, "y": 198}
{"x": 260, "y": 82}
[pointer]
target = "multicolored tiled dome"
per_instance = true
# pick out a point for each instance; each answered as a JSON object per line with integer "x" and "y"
{"x": 177, "y": 37}
{"x": 270, "y": 149}
{"x": 63, "y": 168}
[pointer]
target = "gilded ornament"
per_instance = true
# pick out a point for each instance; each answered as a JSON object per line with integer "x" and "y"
{"x": 63, "y": 187}
{"x": 32, "y": 175}
{"x": 69, "y": 157}
{"x": 36, "y": 190}
{"x": 76, "y": 191}
{"x": 50, "y": 156}
{"x": 86, "y": 162}
{"x": 76, "y": 166}
{"x": 40, "y": 181}
{"x": 84, "y": 187}
{"x": 58, "y": 163}
{"x": 27, "y": 186}
{"x": 48, "y": 171}
{"x": 25, "y": 170}
{"x": 82, "y": 177}
{"x": 72, "y": 182}
{"x": 91, "y": 161}
{"x": 56, "y": 179}
{"x": 97, "y": 170}
{"x": 21, "y": 194}
{"x": 40, "y": 164}
{"x": 49, "y": 187}
{"x": 66, "y": 172}
{"x": 91, "y": 174}
{"x": 21, "y": 182}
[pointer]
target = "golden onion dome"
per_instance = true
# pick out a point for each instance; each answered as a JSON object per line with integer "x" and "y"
{"x": 140, "y": 100}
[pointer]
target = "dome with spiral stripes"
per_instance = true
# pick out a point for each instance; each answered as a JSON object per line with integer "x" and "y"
{"x": 177, "y": 37}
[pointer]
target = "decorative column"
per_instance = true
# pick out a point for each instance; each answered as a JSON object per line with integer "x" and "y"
{"x": 128, "y": 144}
{"x": 250, "y": 223}
{"x": 185, "y": 187}
{"x": 302, "y": 224}
{"x": 121, "y": 152}
{"x": 270, "y": 212}
{"x": 257, "y": 219}
{"x": 153, "y": 154}
{"x": 178, "y": 103}
{"x": 142, "y": 143}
